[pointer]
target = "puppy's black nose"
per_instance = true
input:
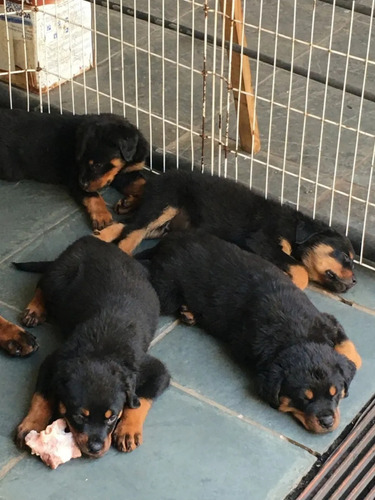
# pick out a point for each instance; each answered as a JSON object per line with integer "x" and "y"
{"x": 326, "y": 421}
{"x": 95, "y": 446}
{"x": 354, "y": 280}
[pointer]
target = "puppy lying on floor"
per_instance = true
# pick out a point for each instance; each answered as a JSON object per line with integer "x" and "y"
{"x": 302, "y": 247}
{"x": 303, "y": 360}
{"x": 101, "y": 380}
{"x": 84, "y": 152}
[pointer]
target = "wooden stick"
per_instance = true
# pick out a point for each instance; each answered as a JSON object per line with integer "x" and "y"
{"x": 248, "y": 123}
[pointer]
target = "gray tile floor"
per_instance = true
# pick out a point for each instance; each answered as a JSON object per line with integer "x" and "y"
{"x": 208, "y": 436}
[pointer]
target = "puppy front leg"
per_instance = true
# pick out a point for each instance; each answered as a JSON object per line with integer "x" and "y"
{"x": 42, "y": 404}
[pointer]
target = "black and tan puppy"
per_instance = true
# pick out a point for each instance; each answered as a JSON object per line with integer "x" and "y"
{"x": 15, "y": 340}
{"x": 101, "y": 380}
{"x": 84, "y": 152}
{"x": 303, "y": 360}
{"x": 302, "y": 247}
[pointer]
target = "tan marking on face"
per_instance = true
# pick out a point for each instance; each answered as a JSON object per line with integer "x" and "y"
{"x": 108, "y": 414}
{"x": 91, "y": 163}
{"x": 332, "y": 390}
{"x": 110, "y": 233}
{"x": 309, "y": 394}
{"x": 37, "y": 418}
{"x": 106, "y": 178}
{"x": 82, "y": 439}
{"x": 347, "y": 349}
{"x": 343, "y": 394}
{"x": 310, "y": 422}
{"x": 129, "y": 244}
{"x": 130, "y": 426}
{"x": 299, "y": 276}
{"x": 97, "y": 210}
{"x": 318, "y": 260}
{"x": 85, "y": 412}
{"x": 286, "y": 247}
{"x": 62, "y": 408}
{"x": 135, "y": 167}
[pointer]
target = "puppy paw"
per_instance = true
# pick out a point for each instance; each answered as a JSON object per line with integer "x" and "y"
{"x": 24, "y": 345}
{"x": 127, "y": 438}
{"x": 33, "y": 317}
{"x": 125, "y": 205}
{"x": 101, "y": 221}
{"x": 186, "y": 316}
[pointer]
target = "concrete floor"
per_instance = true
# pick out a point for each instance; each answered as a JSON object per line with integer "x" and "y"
{"x": 208, "y": 436}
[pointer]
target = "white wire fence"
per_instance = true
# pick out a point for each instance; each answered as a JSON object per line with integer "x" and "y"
{"x": 168, "y": 66}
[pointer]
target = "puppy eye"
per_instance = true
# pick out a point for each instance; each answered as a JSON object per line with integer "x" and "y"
{"x": 331, "y": 275}
{"x": 112, "y": 419}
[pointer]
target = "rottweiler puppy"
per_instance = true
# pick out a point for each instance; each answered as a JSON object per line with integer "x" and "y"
{"x": 302, "y": 359}
{"x": 101, "y": 380}
{"x": 302, "y": 247}
{"x": 84, "y": 152}
{"x": 15, "y": 340}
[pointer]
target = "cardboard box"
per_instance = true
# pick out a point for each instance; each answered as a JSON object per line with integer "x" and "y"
{"x": 50, "y": 39}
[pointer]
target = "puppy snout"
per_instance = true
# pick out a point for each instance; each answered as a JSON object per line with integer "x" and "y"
{"x": 95, "y": 445}
{"x": 326, "y": 421}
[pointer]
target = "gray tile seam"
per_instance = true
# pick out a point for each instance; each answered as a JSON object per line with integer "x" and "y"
{"x": 247, "y": 420}
{"x": 339, "y": 298}
{"x": 11, "y": 464}
{"x": 163, "y": 332}
{"x": 44, "y": 231}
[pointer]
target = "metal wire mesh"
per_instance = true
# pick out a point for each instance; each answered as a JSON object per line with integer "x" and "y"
{"x": 166, "y": 65}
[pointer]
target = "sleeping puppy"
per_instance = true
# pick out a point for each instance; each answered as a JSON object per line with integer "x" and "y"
{"x": 302, "y": 359}
{"x": 84, "y": 152}
{"x": 302, "y": 247}
{"x": 101, "y": 380}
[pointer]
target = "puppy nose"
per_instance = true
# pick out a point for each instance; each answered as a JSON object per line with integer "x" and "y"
{"x": 95, "y": 445}
{"x": 354, "y": 280}
{"x": 326, "y": 421}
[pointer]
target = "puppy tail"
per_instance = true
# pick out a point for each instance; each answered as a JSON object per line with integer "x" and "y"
{"x": 32, "y": 267}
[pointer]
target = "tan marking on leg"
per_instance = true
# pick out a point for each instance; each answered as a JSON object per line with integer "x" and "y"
{"x": 15, "y": 340}
{"x": 133, "y": 196}
{"x": 186, "y": 316}
{"x": 286, "y": 247}
{"x": 347, "y": 349}
{"x": 110, "y": 233}
{"x": 37, "y": 419}
{"x": 133, "y": 239}
{"x": 128, "y": 433}
{"x": 98, "y": 212}
{"x": 299, "y": 276}
{"x": 130, "y": 243}
{"x": 35, "y": 312}
{"x": 135, "y": 167}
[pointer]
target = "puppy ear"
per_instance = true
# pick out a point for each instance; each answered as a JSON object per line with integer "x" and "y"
{"x": 347, "y": 370}
{"x": 128, "y": 147}
{"x": 269, "y": 384}
{"x": 304, "y": 231}
{"x": 84, "y": 133}
{"x": 132, "y": 400}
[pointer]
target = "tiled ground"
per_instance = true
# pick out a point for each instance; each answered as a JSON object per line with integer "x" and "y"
{"x": 208, "y": 436}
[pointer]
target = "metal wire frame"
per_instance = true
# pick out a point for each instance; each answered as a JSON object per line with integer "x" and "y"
{"x": 211, "y": 137}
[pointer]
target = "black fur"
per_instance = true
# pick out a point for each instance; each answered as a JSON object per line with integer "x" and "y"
{"x": 73, "y": 150}
{"x": 108, "y": 311}
{"x": 267, "y": 321}
{"x": 232, "y": 212}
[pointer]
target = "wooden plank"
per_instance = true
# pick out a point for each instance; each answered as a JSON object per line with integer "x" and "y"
{"x": 245, "y": 103}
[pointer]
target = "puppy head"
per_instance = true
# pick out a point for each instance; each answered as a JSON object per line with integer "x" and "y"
{"x": 105, "y": 145}
{"x": 308, "y": 381}
{"x": 92, "y": 395}
{"x": 327, "y": 256}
